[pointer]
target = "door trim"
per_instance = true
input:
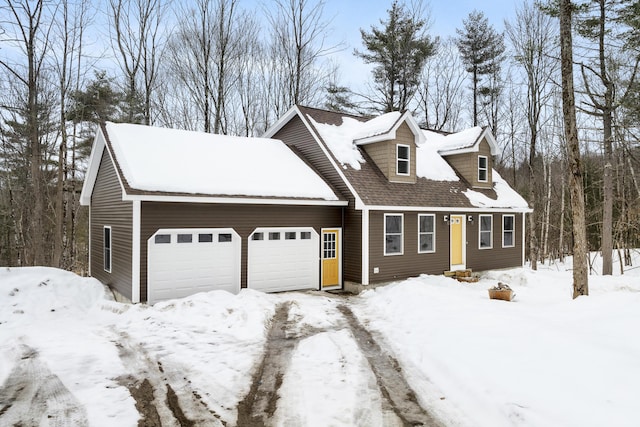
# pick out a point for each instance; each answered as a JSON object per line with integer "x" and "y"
{"x": 463, "y": 243}
{"x": 338, "y": 255}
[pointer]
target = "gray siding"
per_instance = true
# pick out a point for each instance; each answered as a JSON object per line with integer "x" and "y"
{"x": 243, "y": 218}
{"x": 108, "y": 209}
{"x": 412, "y": 263}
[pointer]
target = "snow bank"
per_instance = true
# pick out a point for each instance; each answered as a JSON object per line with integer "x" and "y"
{"x": 543, "y": 359}
{"x": 171, "y": 160}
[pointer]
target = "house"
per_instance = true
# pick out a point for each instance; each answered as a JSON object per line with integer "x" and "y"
{"x": 322, "y": 199}
{"x": 419, "y": 201}
{"x": 174, "y": 212}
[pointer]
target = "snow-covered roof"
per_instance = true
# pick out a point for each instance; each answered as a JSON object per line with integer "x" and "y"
{"x": 157, "y": 159}
{"x": 460, "y": 142}
{"x": 507, "y": 197}
{"x": 342, "y": 141}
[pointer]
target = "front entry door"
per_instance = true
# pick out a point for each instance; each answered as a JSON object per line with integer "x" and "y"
{"x": 457, "y": 242}
{"x": 330, "y": 258}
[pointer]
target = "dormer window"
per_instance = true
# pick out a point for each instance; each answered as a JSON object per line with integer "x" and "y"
{"x": 402, "y": 159}
{"x": 483, "y": 168}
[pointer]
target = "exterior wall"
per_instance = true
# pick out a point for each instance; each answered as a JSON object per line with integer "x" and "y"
{"x": 243, "y": 218}
{"x": 352, "y": 245}
{"x": 107, "y": 208}
{"x": 497, "y": 257}
{"x": 467, "y": 165}
{"x": 411, "y": 263}
{"x": 296, "y": 134}
{"x": 383, "y": 154}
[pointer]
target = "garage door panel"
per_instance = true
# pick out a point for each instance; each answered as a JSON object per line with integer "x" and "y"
{"x": 176, "y": 270}
{"x": 283, "y": 264}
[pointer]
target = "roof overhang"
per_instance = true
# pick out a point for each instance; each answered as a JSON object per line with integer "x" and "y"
{"x": 446, "y": 209}
{"x": 475, "y": 147}
{"x": 92, "y": 169}
{"x": 232, "y": 200}
{"x": 391, "y": 133}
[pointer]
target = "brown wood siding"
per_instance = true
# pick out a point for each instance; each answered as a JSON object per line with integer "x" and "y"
{"x": 352, "y": 245}
{"x": 404, "y": 136}
{"x": 411, "y": 263}
{"x": 497, "y": 257}
{"x": 296, "y": 134}
{"x": 108, "y": 209}
{"x": 383, "y": 154}
{"x": 380, "y": 153}
{"x": 242, "y": 218}
{"x": 467, "y": 165}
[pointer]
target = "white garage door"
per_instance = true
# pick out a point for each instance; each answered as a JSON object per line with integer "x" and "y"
{"x": 183, "y": 262}
{"x": 283, "y": 259}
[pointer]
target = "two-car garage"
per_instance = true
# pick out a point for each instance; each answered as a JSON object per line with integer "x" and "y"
{"x": 182, "y": 262}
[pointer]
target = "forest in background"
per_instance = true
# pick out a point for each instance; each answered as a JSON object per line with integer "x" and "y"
{"x": 214, "y": 66}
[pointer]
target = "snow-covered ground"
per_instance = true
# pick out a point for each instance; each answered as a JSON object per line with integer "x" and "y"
{"x": 540, "y": 360}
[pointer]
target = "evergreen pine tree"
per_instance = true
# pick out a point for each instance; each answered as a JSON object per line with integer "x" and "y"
{"x": 399, "y": 50}
{"x": 481, "y": 48}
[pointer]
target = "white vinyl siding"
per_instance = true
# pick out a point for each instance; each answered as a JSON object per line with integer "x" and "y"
{"x": 508, "y": 231}
{"x": 485, "y": 238}
{"x": 426, "y": 233}
{"x": 393, "y": 238}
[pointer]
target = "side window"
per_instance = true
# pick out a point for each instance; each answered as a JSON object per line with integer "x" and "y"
{"x": 162, "y": 238}
{"x": 403, "y": 153}
{"x": 257, "y": 236}
{"x": 426, "y": 233}
{"x": 508, "y": 231}
{"x": 483, "y": 168}
{"x": 486, "y": 231}
{"x": 185, "y": 238}
{"x": 106, "y": 234}
{"x": 393, "y": 234}
{"x": 224, "y": 237}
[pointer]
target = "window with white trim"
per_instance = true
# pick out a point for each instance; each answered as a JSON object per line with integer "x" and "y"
{"x": 393, "y": 234}
{"x": 483, "y": 168}
{"x": 486, "y": 231}
{"x": 106, "y": 234}
{"x": 403, "y": 158}
{"x": 426, "y": 233}
{"x": 508, "y": 231}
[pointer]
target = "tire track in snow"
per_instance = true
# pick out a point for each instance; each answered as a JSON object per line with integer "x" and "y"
{"x": 259, "y": 405}
{"x": 32, "y": 393}
{"x": 164, "y": 397}
{"x": 393, "y": 386}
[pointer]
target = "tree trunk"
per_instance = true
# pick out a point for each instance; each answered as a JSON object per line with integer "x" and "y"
{"x": 580, "y": 269}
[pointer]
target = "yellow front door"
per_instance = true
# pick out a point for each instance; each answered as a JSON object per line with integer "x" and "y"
{"x": 457, "y": 222}
{"x": 330, "y": 258}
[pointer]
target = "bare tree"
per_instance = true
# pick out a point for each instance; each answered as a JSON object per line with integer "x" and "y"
{"x": 532, "y": 39}
{"x": 604, "y": 103}
{"x": 298, "y": 43}
{"x": 204, "y": 54}
{"x": 28, "y": 25}
{"x": 441, "y": 90}
{"x": 580, "y": 271}
{"x": 137, "y": 39}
